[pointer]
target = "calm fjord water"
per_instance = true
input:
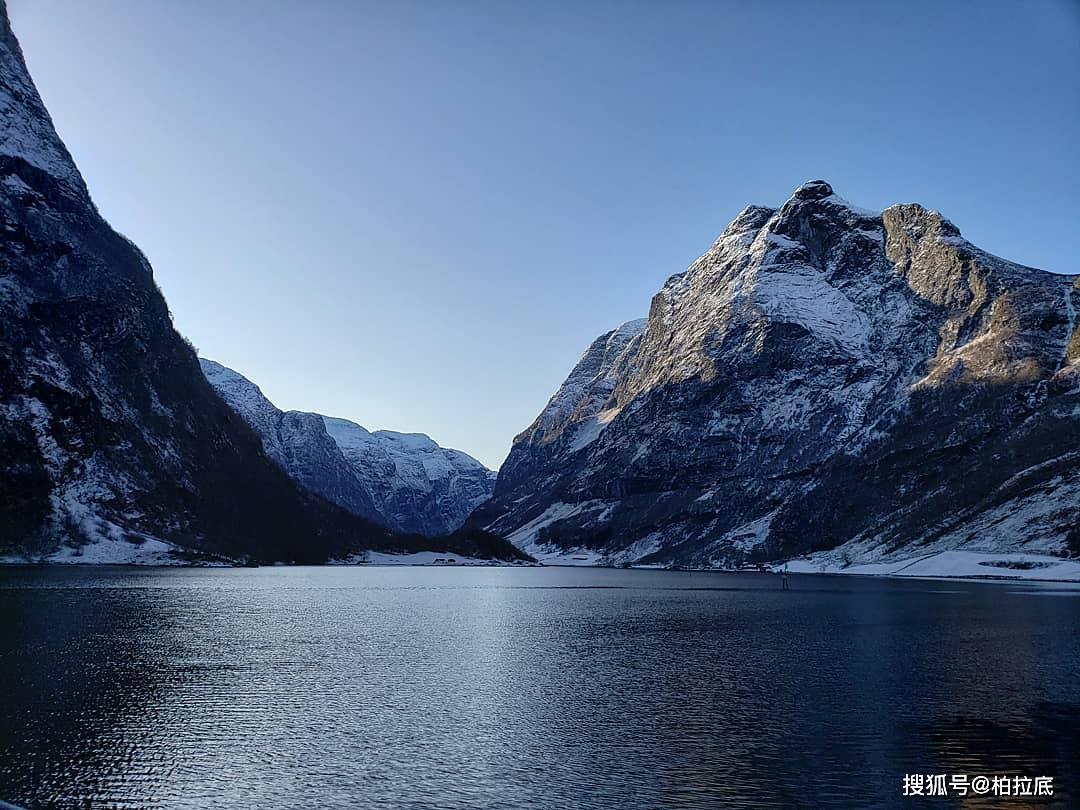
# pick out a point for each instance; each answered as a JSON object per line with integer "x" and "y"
{"x": 545, "y": 688}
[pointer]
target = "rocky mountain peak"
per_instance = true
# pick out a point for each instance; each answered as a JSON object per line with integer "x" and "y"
{"x": 813, "y": 190}
{"x": 822, "y": 375}
{"x": 917, "y": 221}
{"x": 750, "y": 219}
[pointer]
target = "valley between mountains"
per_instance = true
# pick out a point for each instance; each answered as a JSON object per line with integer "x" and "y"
{"x": 826, "y": 387}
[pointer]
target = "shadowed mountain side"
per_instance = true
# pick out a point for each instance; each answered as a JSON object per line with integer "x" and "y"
{"x": 113, "y": 446}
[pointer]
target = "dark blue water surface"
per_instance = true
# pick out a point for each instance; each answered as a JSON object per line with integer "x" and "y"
{"x": 514, "y": 688}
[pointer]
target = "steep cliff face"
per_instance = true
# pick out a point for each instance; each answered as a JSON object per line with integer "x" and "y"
{"x": 823, "y": 376}
{"x": 579, "y": 409}
{"x": 112, "y": 444}
{"x": 404, "y": 481}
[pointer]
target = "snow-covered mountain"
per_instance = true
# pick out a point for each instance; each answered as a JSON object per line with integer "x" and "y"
{"x": 859, "y": 385}
{"x": 111, "y": 441}
{"x": 404, "y": 481}
{"x": 113, "y": 446}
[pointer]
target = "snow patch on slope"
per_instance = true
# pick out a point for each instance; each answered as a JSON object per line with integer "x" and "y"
{"x": 589, "y": 430}
{"x": 797, "y": 293}
{"x": 527, "y": 539}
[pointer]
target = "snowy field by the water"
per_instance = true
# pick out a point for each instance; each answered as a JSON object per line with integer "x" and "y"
{"x": 416, "y": 558}
{"x": 947, "y": 564}
{"x": 963, "y": 564}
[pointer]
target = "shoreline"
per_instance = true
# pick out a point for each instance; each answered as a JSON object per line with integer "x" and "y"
{"x": 918, "y": 568}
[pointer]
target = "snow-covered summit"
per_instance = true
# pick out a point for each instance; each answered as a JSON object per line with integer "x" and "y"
{"x": 411, "y": 442}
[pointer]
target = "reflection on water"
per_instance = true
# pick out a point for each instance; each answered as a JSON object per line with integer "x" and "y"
{"x": 380, "y": 687}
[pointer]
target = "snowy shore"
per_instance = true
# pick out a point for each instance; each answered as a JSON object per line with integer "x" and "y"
{"x": 438, "y": 558}
{"x": 157, "y": 552}
{"x": 943, "y": 564}
{"x": 950, "y": 564}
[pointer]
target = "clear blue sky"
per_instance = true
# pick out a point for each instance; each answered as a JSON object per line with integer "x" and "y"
{"x": 417, "y": 215}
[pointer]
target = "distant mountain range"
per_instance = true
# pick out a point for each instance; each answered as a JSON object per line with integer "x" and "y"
{"x": 113, "y": 446}
{"x": 857, "y": 386}
{"x": 404, "y": 481}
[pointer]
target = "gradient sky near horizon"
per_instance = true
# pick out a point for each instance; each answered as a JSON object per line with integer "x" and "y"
{"x": 417, "y": 215}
